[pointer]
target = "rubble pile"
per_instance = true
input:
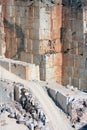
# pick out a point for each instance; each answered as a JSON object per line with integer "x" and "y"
{"x": 33, "y": 116}
{"x": 77, "y": 109}
{"x": 27, "y": 111}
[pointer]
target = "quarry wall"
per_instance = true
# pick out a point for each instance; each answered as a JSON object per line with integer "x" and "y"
{"x": 2, "y": 34}
{"x": 23, "y": 70}
{"x": 52, "y": 36}
{"x": 74, "y": 45}
{"x": 33, "y": 35}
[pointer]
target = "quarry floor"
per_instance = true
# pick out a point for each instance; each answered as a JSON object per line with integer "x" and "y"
{"x": 57, "y": 119}
{"x": 10, "y": 124}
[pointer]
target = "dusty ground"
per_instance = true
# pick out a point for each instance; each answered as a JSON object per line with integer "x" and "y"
{"x": 57, "y": 119}
{"x": 10, "y": 124}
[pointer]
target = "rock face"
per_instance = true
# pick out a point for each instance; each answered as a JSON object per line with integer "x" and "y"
{"x": 2, "y": 33}
{"x": 51, "y": 34}
{"x": 22, "y": 69}
{"x": 32, "y": 31}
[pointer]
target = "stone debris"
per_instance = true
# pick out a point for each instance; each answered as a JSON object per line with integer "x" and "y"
{"x": 27, "y": 111}
{"x": 34, "y": 110}
{"x": 78, "y": 112}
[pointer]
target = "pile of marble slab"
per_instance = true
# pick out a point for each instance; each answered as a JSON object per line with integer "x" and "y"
{"x": 72, "y": 101}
